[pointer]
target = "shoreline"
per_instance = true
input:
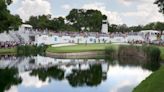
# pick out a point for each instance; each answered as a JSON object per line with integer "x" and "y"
{"x": 84, "y": 51}
{"x": 153, "y": 83}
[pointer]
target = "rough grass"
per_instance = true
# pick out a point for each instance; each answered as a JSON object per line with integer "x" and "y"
{"x": 80, "y": 48}
{"x": 154, "y": 83}
{"x": 7, "y": 50}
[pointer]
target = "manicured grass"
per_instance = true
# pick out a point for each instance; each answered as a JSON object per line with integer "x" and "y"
{"x": 154, "y": 83}
{"x": 7, "y": 50}
{"x": 80, "y": 48}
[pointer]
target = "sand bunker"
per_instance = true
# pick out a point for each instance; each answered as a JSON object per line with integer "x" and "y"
{"x": 65, "y": 44}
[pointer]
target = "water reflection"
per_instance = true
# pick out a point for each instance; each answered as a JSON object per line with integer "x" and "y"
{"x": 52, "y": 72}
{"x": 89, "y": 77}
{"x": 8, "y": 78}
{"x": 40, "y": 74}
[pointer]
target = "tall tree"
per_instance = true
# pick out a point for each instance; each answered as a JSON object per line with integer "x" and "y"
{"x": 136, "y": 28}
{"x": 6, "y": 19}
{"x": 150, "y": 26}
{"x": 46, "y": 22}
{"x": 160, "y": 4}
{"x": 159, "y": 26}
{"x": 15, "y": 21}
{"x": 33, "y": 20}
{"x": 85, "y": 20}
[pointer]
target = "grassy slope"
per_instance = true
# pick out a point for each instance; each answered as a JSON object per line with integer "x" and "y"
{"x": 7, "y": 50}
{"x": 154, "y": 83}
{"x": 162, "y": 52}
{"x": 80, "y": 48}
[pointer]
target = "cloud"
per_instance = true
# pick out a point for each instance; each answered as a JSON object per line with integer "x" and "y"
{"x": 33, "y": 8}
{"x": 113, "y": 17}
{"x": 32, "y": 81}
{"x": 146, "y": 12}
{"x": 66, "y": 7}
{"x": 126, "y": 2}
{"x": 130, "y": 2}
{"x": 12, "y": 89}
{"x": 123, "y": 79}
{"x": 15, "y": 1}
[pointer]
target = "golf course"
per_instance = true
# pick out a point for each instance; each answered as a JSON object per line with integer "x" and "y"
{"x": 151, "y": 84}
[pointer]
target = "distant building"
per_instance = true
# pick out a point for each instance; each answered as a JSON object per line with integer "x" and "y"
{"x": 104, "y": 28}
{"x": 24, "y": 27}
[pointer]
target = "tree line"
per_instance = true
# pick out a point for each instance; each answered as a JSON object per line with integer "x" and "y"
{"x": 159, "y": 26}
{"x": 77, "y": 20}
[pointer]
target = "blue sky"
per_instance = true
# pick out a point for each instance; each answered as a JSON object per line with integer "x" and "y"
{"x": 130, "y": 12}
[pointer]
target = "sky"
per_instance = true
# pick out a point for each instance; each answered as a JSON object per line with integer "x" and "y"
{"x": 130, "y": 12}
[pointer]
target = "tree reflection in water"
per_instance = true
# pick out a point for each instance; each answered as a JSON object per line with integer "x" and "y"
{"x": 8, "y": 78}
{"x": 151, "y": 65}
{"x": 53, "y": 72}
{"x": 90, "y": 77}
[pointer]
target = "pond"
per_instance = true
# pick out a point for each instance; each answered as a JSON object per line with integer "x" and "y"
{"x": 46, "y": 74}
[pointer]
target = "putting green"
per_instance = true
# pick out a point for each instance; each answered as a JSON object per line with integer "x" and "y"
{"x": 80, "y": 48}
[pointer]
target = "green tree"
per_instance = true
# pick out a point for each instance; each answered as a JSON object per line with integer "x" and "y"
{"x": 58, "y": 24}
{"x": 46, "y": 22}
{"x": 7, "y": 20}
{"x": 150, "y": 26}
{"x": 15, "y": 21}
{"x": 43, "y": 21}
{"x": 113, "y": 28}
{"x": 123, "y": 28}
{"x": 159, "y": 26}
{"x": 136, "y": 28}
{"x": 33, "y": 20}
{"x": 85, "y": 20}
{"x": 160, "y": 4}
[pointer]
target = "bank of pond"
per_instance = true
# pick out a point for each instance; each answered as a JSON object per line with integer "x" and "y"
{"x": 144, "y": 52}
{"x": 153, "y": 83}
{"x": 24, "y": 50}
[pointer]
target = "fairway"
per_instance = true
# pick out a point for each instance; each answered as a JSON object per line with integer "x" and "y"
{"x": 80, "y": 48}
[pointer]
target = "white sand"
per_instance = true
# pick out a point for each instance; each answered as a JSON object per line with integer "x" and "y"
{"x": 65, "y": 44}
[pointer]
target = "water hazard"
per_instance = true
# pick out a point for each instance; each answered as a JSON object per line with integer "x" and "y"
{"x": 46, "y": 74}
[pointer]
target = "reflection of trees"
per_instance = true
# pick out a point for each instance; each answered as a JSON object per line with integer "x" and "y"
{"x": 8, "y": 77}
{"x": 152, "y": 65}
{"x": 89, "y": 77}
{"x": 147, "y": 64}
{"x": 124, "y": 61}
{"x": 52, "y": 72}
